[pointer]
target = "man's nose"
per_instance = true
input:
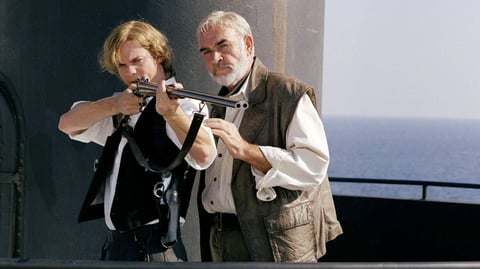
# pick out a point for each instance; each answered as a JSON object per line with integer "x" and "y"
{"x": 132, "y": 70}
{"x": 217, "y": 56}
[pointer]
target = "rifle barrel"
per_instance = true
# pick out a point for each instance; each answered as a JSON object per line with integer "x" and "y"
{"x": 149, "y": 89}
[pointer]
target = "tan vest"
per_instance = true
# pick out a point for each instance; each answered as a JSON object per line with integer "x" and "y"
{"x": 297, "y": 224}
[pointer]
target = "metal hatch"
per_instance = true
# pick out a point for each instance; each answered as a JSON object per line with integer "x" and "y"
{"x": 11, "y": 171}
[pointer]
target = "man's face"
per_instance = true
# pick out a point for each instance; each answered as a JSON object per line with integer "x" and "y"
{"x": 226, "y": 54}
{"x": 135, "y": 62}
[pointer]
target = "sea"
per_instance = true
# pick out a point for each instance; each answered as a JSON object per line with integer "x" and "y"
{"x": 433, "y": 150}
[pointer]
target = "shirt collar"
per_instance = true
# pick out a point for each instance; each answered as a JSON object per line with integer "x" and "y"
{"x": 240, "y": 92}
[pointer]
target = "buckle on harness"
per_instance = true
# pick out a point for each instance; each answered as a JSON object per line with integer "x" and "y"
{"x": 160, "y": 187}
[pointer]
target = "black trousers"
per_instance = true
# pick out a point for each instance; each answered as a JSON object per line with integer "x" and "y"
{"x": 143, "y": 244}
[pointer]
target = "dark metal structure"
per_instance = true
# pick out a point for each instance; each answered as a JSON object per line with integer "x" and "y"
{"x": 48, "y": 60}
{"x": 381, "y": 229}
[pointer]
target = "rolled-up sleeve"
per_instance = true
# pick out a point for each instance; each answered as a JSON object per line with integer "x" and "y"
{"x": 304, "y": 163}
{"x": 97, "y": 133}
{"x": 190, "y": 106}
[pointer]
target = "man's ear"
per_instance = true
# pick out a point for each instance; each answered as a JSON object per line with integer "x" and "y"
{"x": 249, "y": 44}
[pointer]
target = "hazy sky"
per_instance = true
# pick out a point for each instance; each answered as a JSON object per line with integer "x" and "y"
{"x": 415, "y": 58}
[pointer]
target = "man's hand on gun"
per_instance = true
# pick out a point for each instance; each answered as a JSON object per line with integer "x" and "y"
{"x": 127, "y": 103}
{"x": 166, "y": 105}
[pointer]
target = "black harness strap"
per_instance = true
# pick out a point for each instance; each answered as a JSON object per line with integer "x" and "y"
{"x": 150, "y": 166}
{"x": 166, "y": 194}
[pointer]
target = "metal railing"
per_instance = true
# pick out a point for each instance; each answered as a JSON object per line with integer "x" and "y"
{"x": 424, "y": 184}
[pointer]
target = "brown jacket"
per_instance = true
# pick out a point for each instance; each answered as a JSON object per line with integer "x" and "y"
{"x": 297, "y": 224}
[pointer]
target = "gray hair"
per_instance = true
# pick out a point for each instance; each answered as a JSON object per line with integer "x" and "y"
{"x": 227, "y": 19}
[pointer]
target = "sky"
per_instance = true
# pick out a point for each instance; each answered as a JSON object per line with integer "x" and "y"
{"x": 402, "y": 58}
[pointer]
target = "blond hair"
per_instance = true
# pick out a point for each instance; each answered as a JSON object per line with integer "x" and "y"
{"x": 146, "y": 35}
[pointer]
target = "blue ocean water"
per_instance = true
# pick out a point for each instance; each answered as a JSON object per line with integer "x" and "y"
{"x": 446, "y": 150}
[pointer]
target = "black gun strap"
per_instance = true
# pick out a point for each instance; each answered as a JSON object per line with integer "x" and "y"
{"x": 137, "y": 152}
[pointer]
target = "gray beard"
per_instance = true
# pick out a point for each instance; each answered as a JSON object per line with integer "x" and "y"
{"x": 235, "y": 76}
{"x": 225, "y": 80}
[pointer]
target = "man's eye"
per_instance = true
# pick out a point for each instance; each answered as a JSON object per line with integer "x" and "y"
{"x": 223, "y": 47}
{"x": 138, "y": 61}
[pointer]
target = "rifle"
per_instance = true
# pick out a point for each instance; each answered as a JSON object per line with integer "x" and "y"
{"x": 146, "y": 89}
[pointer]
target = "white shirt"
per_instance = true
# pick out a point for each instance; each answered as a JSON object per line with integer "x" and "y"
{"x": 301, "y": 166}
{"x": 99, "y": 132}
